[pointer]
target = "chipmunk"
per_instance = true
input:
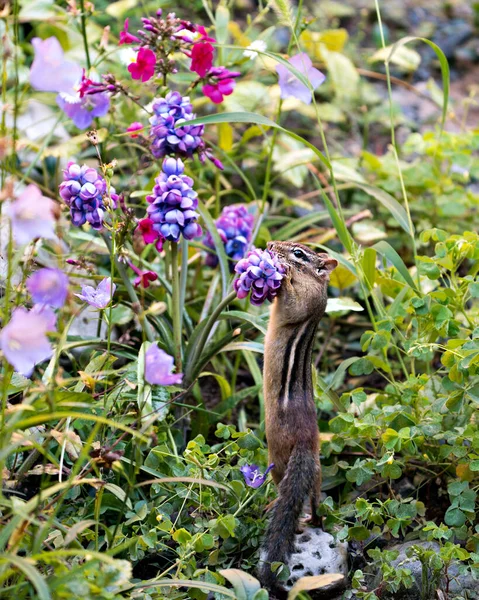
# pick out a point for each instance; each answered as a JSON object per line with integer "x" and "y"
{"x": 290, "y": 414}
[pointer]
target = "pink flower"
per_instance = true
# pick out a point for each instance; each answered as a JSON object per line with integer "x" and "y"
{"x": 158, "y": 367}
{"x": 32, "y": 216}
{"x": 201, "y": 58}
{"x": 204, "y": 37}
{"x": 222, "y": 83}
{"x": 136, "y": 126}
{"x": 50, "y": 72}
{"x": 126, "y": 37}
{"x": 144, "y": 67}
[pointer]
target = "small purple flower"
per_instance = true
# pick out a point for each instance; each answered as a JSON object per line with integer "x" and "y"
{"x": 48, "y": 286}
{"x": 23, "y": 340}
{"x": 82, "y": 110}
{"x": 159, "y": 366}
{"x": 168, "y": 139}
{"x": 50, "y": 72}
{"x": 261, "y": 274}
{"x": 173, "y": 203}
{"x": 291, "y": 86}
{"x": 235, "y": 227}
{"x": 252, "y": 475}
{"x": 99, "y": 297}
{"x": 83, "y": 189}
{"x": 32, "y": 216}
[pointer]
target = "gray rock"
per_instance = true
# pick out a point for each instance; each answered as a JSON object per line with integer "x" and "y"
{"x": 460, "y": 586}
{"x": 317, "y": 553}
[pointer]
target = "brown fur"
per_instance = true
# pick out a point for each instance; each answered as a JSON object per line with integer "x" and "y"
{"x": 290, "y": 413}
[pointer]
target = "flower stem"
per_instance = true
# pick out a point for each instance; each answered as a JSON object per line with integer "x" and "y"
{"x": 176, "y": 301}
{"x": 131, "y": 292}
{"x": 83, "y": 32}
{"x": 269, "y": 164}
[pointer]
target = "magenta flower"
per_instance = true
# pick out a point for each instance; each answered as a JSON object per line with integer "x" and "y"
{"x": 144, "y": 278}
{"x": 150, "y": 235}
{"x": 221, "y": 83}
{"x": 24, "y": 341}
{"x": 48, "y": 286}
{"x": 291, "y": 86}
{"x": 252, "y": 475}
{"x": 133, "y": 128}
{"x": 159, "y": 367}
{"x": 144, "y": 67}
{"x": 202, "y": 58}
{"x": 32, "y": 216}
{"x": 99, "y": 297}
{"x": 82, "y": 110}
{"x": 126, "y": 37}
{"x": 261, "y": 274}
{"x": 50, "y": 72}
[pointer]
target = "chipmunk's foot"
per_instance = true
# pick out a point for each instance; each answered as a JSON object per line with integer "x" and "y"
{"x": 313, "y": 521}
{"x": 269, "y": 506}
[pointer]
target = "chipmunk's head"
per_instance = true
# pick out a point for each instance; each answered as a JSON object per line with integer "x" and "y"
{"x": 303, "y": 294}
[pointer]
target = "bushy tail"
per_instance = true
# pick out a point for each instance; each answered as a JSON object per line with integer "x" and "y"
{"x": 296, "y": 485}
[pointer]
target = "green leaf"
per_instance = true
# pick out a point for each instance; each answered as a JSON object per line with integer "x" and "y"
{"x": 360, "y": 533}
{"x": 256, "y": 321}
{"x": 342, "y": 304}
{"x": 341, "y": 371}
{"x": 182, "y": 536}
{"x": 390, "y": 203}
{"x": 30, "y": 572}
{"x": 244, "y": 584}
{"x": 386, "y": 250}
{"x": 369, "y": 266}
{"x": 249, "y": 117}
{"x": 224, "y": 385}
{"x": 118, "y": 9}
{"x": 296, "y": 225}
{"x": 338, "y": 222}
{"x": 443, "y": 64}
{"x": 221, "y": 24}
{"x": 454, "y": 517}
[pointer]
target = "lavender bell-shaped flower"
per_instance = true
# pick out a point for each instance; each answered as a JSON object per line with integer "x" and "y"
{"x": 252, "y": 475}
{"x": 235, "y": 227}
{"x": 83, "y": 189}
{"x": 173, "y": 203}
{"x": 261, "y": 274}
{"x": 166, "y": 138}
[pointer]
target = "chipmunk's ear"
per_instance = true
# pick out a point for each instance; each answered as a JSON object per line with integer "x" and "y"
{"x": 328, "y": 263}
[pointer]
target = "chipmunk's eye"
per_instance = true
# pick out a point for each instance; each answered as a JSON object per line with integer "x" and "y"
{"x": 299, "y": 254}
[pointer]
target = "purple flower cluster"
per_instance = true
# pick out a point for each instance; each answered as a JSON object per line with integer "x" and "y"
{"x": 261, "y": 274}
{"x": 166, "y": 139}
{"x": 235, "y": 226}
{"x": 83, "y": 189}
{"x": 173, "y": 203}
